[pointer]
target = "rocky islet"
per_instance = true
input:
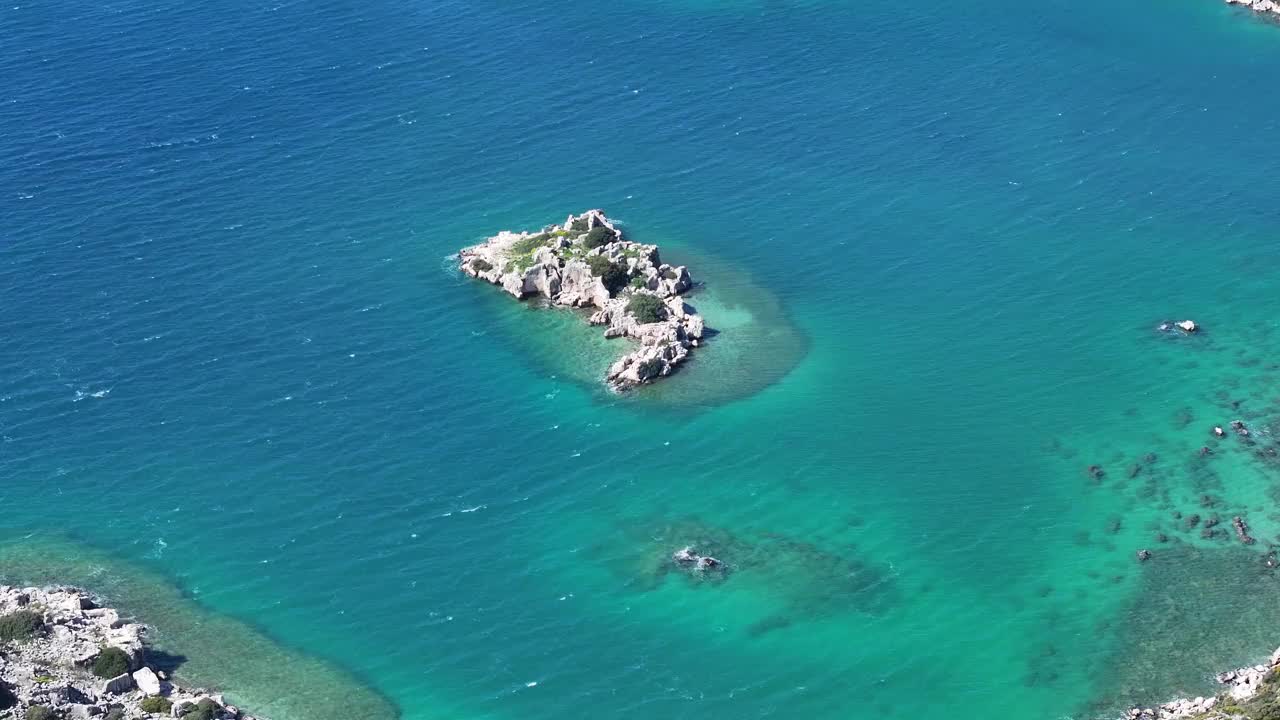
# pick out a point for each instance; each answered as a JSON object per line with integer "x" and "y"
{"x": 587, "y": 263}
{"x": 64, "y": 656}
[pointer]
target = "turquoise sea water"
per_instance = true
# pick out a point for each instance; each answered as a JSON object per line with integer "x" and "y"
{"x": 244, "y": 393}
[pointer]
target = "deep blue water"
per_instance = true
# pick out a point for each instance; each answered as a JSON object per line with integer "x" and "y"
{"x": 237, "y": 360}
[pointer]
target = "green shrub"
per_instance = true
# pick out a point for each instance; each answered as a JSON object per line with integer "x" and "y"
{"x": 20, "y": 625}
{"x": 599, "y": 236}
{"x": 481, "y": 265}
{"x": 612, "y": 274}
{"x": 646, "y": 308}
{"x": 156, "y": 704}
{"x": 579, "y": 225}
{"x": 39, "y": 712}
{"x": 111, "y": 662}
{"x": 528, "y": 245}
{"x": 599, "y": 265}
{"x": 650, "y": 368}
{"x": 639, "y": 282}
{"x": 206, "y": 709}
{"x": 115, "y": 714}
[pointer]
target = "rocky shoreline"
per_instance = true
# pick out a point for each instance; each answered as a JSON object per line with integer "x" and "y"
{"x": 1250, "y": 693}
{"x": 1261, "y": 6}
{"x": 63, "y": 657}
{"x": 587, "y": 263}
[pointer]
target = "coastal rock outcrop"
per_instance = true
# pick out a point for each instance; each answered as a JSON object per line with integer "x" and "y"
{"x": 1262, "y": 6}
{"x": 587, "y": 263}
{"x": 61, "y": 652}
{"x": 1240, "y": 684}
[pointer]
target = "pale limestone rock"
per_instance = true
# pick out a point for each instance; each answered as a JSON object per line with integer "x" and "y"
{"x": 147, "y": 681}
{"x": 117, "y": 685}
{"x": 558, "y": 272}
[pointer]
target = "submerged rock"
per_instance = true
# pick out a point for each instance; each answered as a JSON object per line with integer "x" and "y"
{"x": 587, "y": 263}
{"x": 1242, "y": 530}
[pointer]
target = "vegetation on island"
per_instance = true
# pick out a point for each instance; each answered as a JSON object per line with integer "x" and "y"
{"x": 599, "y": 236}
{"x": 1264, "y": 705}
{"x": 481, "y": 265}
{"x": 613, "y": 275}
{"x": 646, "y": 308}
{"x": 521, "y": 253}
{"x": 20, "y": 625}
{"x": 111, "y": 662}
{"x": 39, "y": 712}
{"x": 206, "y": 709}
{"x": 650, "y": 367}
{"x": 156, "y": 705}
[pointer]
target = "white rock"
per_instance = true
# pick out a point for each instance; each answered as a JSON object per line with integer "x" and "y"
{"x": 147, "y": 681}
{"x": 117, "y": 685}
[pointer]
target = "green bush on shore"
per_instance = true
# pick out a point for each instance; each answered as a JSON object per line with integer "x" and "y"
{"x": 613, "y": 275}
{"x": 111, "y": 662}
{"x": 481, "y": 265}
{"x": 646, "y": 308}
{"x": 39, "y": 712}
{"x": 599, "y": 236}
{"x": 156, "y": 704}
{"x": 20, "y": 625}
{"x": 206, "y": 709}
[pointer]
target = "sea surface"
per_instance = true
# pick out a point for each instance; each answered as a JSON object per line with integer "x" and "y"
{"x": 245, "y": 394}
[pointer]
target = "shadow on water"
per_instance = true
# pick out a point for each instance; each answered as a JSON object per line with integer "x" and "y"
{"x": 170, "y": 663}
{"x": 205, "y": 648}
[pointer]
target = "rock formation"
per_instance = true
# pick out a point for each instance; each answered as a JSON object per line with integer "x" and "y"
{"x": 1262, "y": 6}
{"x": 586, "y": 263}
{"x": 56, "y": 646}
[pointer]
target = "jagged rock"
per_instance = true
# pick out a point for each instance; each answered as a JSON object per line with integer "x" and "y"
{"x": 118, "y": 685}
{"x": 147, "y": 681}
{"x": 83, "y": 712}
{"x": 556, "y": 264}
{"x": 52, "y": 668}
{"x": 1242, "y": 530}
{"x": 1188, "y": 326}
{"x": 1261, "y": 6}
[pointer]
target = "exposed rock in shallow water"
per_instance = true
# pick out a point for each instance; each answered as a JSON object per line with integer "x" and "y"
{"x": 54, "y": 665}
{"x": 1262, "y": 6}
{"x": 587, "y": 263}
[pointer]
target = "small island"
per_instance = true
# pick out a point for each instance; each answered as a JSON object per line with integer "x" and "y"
{"x": 587, "y": 263}
{"x": 64, "y": 657}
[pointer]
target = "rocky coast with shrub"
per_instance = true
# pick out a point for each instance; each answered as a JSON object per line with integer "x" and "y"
{"x": 64, "y": 657}
{"x": 1250, "y": 693}
{"x": 587, "y": 263}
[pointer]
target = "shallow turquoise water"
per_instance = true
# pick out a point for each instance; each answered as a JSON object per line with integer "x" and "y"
{"x": 238, "y": 362}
